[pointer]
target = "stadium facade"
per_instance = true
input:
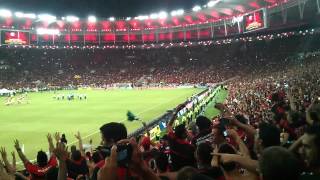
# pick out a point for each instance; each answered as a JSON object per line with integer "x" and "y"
{"x": 203, "y": 24}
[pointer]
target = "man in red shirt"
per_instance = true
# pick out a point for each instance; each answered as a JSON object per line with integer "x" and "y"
{"x": 39, "y": 170}
{"x": 181, "y": 150}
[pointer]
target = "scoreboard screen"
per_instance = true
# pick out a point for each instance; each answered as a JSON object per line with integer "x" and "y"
{"x": 15, "y": 38}
{"x": 255, "y": 20}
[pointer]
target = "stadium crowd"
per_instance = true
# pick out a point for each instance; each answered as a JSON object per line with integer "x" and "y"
{"x": 268, "y": 128}
{"x": 29, "y": 67}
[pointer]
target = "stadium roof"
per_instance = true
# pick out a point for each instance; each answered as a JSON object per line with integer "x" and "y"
{"x": 134, "y": 8}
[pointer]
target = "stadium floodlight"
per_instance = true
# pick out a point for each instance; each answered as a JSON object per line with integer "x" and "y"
{"x": 142, "y": 17}
{"x": 29, "y": 15}
{"x": 25, "y": 15}
{"x": 196, "y": 8}
{"x": 112, "y": 19}
{"x": 162, "y": 15}
{"x": 213, "y": 3}
{"x": 47, "y": 17}
{"x": 19, "y": 14}
{"x": 128, "y": 18}
{"x": 72, "y": 18}
{"x": 5, "y": 13}
{"x": 173, "y": 13}
{"x": 178, "y": 12}
{"x": 154, "y": 16}
{"x": 92, "y": 19}
{"x": 42, "y": 31}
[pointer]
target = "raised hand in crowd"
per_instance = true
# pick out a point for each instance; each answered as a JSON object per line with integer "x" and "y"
{"x": 4, "y": 175}
{"x": 11, "y": 168}
{"x": 61, "y": 152}
{"x": 107, "y": 172}
{"x": 19, "y": 151}
{"x": 57, "y": 136}
{"x": 78, "y": 137}
{"x": 51, "y": 146}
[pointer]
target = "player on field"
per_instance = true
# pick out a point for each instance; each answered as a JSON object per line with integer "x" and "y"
{"x": 10, "y": 101}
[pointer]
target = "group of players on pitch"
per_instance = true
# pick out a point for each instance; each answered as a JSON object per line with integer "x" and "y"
{"x": 70, "y": 97}
{"x": 20, "y": 99}
{"x": 23, "y": 98}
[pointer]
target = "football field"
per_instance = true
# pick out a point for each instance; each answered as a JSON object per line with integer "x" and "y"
{"x": 30, "y": 123}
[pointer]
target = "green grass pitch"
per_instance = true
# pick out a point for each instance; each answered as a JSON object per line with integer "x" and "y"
{"x": 29, "y": 123}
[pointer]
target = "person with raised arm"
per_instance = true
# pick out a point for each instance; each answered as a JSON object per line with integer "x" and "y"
{"x": 42, "y": 166}
{"x": 61, "y": 152}
{"x": 181, "y": 150}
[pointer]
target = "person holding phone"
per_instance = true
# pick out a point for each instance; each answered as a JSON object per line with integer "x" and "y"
{"x": 111, "y": 133}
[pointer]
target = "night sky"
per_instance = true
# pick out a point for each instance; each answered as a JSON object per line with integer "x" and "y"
{"x": 100, "y": 8}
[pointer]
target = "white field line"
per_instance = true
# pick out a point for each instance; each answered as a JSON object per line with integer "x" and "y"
{"x": 96, "y": 132}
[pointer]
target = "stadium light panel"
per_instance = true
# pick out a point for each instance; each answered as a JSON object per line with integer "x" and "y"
{"x": 5, "y": 13}
{"x": 112, "y": 19}
{"x": 142, "y": 17}
{"x": 213, "y": 3}
{"x": 92, "y": 19}
{"x": 72, "y": 18}
{"x": 154, "y": 16}
{"x": 19, "y": 14}
{"x": 196, "y": 8}
{"x": 47, "y": 17}
{"x": 162, "y": 15}
{"x": 30, "y": 15}
{"x": 178, "y": 12}
{"x": 42, "y": 31}
{"x": 25, "y": 15}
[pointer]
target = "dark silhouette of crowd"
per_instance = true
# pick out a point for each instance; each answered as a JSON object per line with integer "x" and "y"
{"x": 268, "y": 127}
